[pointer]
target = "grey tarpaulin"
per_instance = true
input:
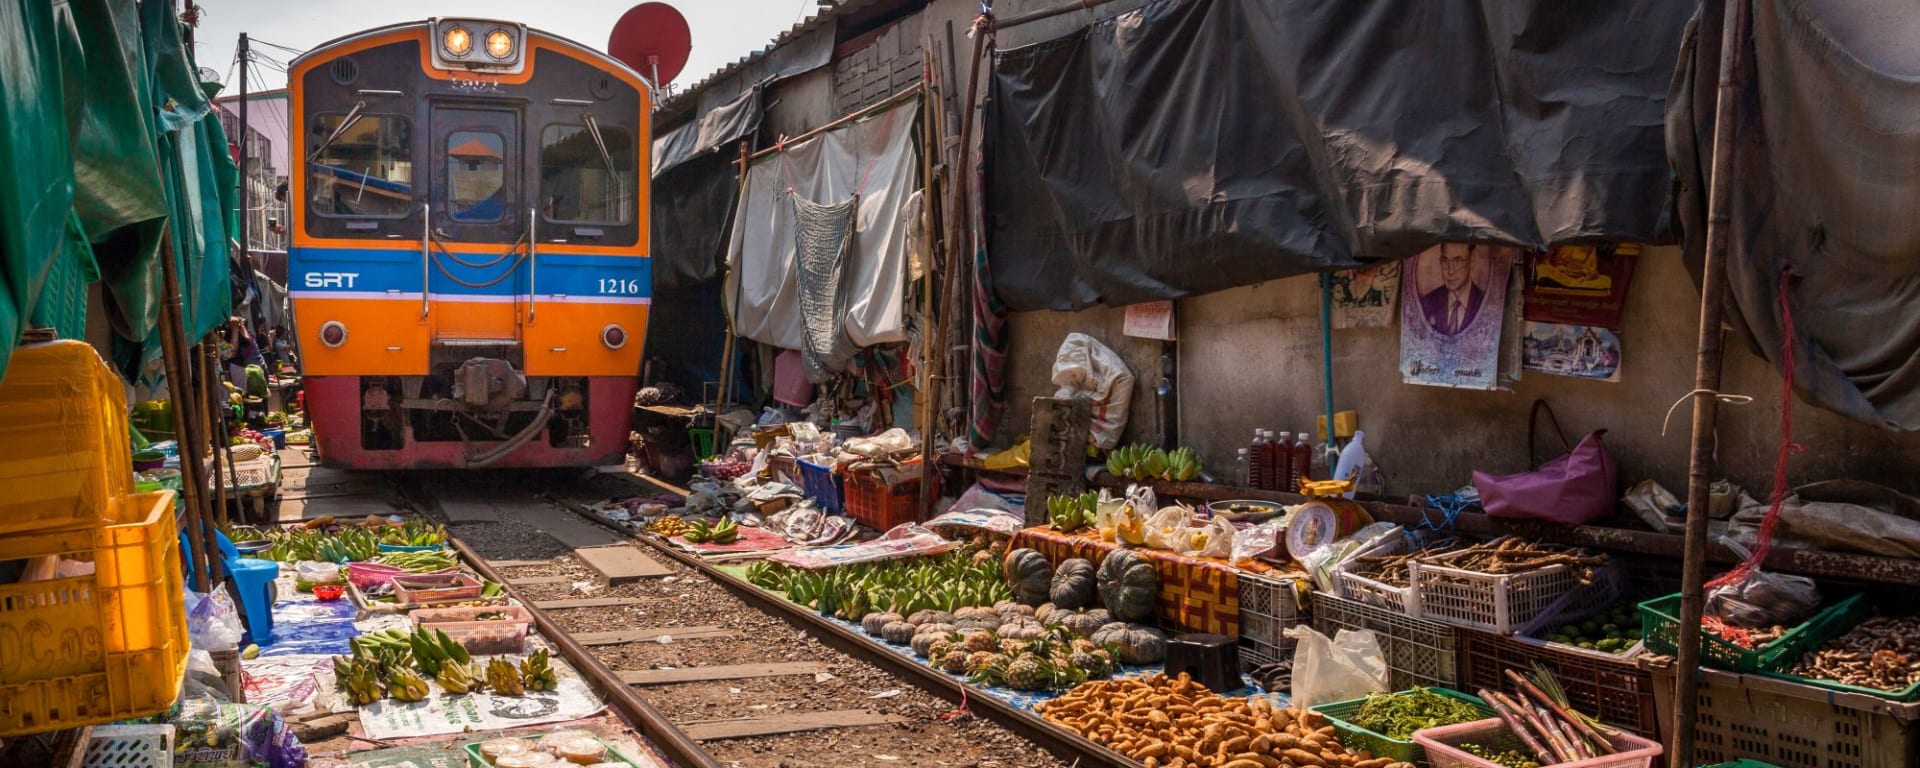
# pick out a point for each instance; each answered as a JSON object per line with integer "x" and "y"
{"x": 873, "y": 158}
{"x": 696, "y": 182}
{"x": 1194, "y": 145}
{"x": 712, "y": 129}
{"x": 1826, "y": 186}
{"x": 823, "y": 237}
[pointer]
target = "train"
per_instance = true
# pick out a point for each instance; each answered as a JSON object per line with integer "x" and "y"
{"x": 468, "y": 263}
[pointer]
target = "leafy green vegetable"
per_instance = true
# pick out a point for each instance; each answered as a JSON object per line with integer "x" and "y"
{"x": 1398, "y": 715}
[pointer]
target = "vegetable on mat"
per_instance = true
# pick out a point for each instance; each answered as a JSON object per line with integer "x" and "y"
{"x": 1398, "y": 715}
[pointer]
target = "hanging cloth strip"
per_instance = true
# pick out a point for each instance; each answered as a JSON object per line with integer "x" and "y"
{"x": 823, "y": 241}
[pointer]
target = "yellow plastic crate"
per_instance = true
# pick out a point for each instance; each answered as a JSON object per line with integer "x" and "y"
{"x": 64, "y": 451}
{"x": 101, "y": 647}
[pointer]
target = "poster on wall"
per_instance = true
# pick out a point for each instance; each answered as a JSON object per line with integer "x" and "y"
{"x": 1451, "y": 319}
{"x": 1365, "y": 298}
{"x": 1580, "y": 351}
{"x": 1580, "y": 284}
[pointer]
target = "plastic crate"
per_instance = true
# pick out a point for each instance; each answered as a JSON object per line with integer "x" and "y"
{"x": 1616, "y": 690}
{"x": 1354, "y": 737}
{"x": 1660, "y": 630}
{"x": 1506, "y": 603}
{"x": 64, "y": 458}
{"x": 476, "y": 760}
{"x": 113, "y": 643}
{"x": 129, "y": 746}
{"x": 1419, "y": 653}
{"x": 1818, "y": 638}
{"x": 496, "y": 636}
{"x": 418, "y": 588}
{"x": 821, "y": 484}
{"x": 1442, "y": 752}
{"x": 1269, "y": 606}
{"x": 1789, "y": 725}
{"x": 411, "y": 548}
{"x": 880, "y": 505}
{"x": 1353, "y": 586}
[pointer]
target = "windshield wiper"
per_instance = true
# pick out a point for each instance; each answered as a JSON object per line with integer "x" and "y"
{"x": 593, "y": 127}
{"x": 353, "y": 116}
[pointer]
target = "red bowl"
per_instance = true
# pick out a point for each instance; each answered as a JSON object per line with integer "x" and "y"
{"x": 328, "y": 592}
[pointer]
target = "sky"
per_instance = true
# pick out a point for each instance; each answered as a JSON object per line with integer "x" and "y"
{"x": 723, "y": 30}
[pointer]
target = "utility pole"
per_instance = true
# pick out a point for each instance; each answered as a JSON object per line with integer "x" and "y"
{"x": 246, "y": 211}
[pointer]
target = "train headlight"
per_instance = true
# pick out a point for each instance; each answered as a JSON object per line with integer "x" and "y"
{"x": 500, "y": 44}
{"x": 613, "y": 336}
{"x": 333, "y": 333}
{"x": 457, "y": 41}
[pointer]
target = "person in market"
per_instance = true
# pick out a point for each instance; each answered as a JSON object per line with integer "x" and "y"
{"x": 239, "y": 349}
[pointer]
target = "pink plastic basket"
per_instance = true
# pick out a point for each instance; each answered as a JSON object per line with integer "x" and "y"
{"x": 507, "y": 635}
{"x": 1443, "y": 747}
{"x": 422, "y": 588}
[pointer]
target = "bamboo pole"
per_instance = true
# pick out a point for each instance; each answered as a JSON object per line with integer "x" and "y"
{"x": 206, "y": 386}
{"x": 173, "y": 353}
{"x": 964, "y": 246}
{"x": 1048, "y": 13}
{"x": 725, "y": 396}
{"x": 1706, "y": 383}
{"x": 929, "y": 387}
{"x": 875, "y": 108}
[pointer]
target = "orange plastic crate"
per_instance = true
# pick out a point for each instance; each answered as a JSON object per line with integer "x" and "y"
{"x": 101, "y": 647}
{"x": 64, "y": 457}
{"x": 870, "y": 500}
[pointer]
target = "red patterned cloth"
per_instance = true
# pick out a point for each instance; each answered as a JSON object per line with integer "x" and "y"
{"x": 1197, "y": 594}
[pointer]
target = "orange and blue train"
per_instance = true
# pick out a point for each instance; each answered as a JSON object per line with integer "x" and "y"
{"x": 468, "y": 266}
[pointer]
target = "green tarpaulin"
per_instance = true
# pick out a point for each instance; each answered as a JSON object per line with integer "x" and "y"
{"x": 36, "y": 187}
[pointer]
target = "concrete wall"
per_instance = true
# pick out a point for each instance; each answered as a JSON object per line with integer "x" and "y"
{"x": 1250, "y": 357}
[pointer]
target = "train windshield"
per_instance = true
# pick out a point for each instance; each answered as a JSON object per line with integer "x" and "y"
{"x": 366, "y": 170}
{"x": 587, "y": 178}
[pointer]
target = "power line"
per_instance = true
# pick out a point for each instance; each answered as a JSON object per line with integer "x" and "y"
{"x": 294, "y": 51}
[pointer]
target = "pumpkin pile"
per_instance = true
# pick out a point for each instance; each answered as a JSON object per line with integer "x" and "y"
{"x": 1003, "y": 645}
{"x": 1124, "y": 585}
{"x": 1175, "y": 722}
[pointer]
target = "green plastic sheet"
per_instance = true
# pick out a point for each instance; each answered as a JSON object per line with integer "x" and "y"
{"x": 36, "y": 188}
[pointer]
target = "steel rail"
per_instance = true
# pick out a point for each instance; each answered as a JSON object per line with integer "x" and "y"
{"x": 1066, "y": 745}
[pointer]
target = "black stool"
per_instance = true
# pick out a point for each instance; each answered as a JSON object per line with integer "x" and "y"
{"x": 1212, "y": 660}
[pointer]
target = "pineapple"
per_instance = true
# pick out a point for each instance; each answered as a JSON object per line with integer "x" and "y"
{"x": 1026, "y": 673}
{"x": 982, "y": 640}
{"x": 456, "y": 678}
{"x": 537, "y": 672}
{"x": 940, "y": 648}
{"x": 503, "y": 678}
{"x": 955, "y": 661}
{"x": 1013, "y": 648}
{"x": 1083, "y": 645}
{"x": 994, "y": 672}
{"x": 1094, "y": 666}
{"x": 978, "y": 660}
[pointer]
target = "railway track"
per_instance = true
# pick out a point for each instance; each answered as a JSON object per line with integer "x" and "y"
{"x": 714, "y": 671}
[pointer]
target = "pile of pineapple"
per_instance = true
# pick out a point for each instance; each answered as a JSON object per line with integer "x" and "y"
{"x": 397, "y": 664}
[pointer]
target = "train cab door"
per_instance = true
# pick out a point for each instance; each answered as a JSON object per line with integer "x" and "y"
{"x": 479, "y": 275}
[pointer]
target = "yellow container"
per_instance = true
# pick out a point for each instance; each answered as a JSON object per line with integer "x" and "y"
{"x": 99, "y": 647}
{"x": 64, "y": 452}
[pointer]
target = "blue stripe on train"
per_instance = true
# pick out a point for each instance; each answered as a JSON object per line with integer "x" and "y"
{"x": 360, "y": 271}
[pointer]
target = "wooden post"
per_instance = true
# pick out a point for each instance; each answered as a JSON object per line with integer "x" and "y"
{"x": 173, "y": 350}
{"x": 925, "y": 399}
{"x": 1058, "y": 461}
{"x": 725, "y": 396}
{"x": 215, "y": 421}
{"x": 1706, "y": 384}
{"x": 956, "y": 328}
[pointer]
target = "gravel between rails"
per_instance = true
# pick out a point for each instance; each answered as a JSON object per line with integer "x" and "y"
{"x": 689, "y": 599}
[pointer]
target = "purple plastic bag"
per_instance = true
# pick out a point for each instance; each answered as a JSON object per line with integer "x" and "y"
{"x": 1574, "y": 489}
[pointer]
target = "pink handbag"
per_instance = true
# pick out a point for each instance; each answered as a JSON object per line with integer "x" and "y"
{"x": 1574, "y": 489}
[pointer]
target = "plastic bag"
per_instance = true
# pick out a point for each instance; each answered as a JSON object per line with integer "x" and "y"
{"x": 1762, "y": 598}
{"x": 1254, "y": 541}
{"x": 1348, "y": 666}
{"x": 1213, "y": 539}
{"x": 1088, "y": 369}
{"x": 317, "y": 573}
{"x": 1167, "y": 528}
{"x": 213, "y": 623}
{"x": 1128, "y": 522}
{"x": 1653, "y": 503}
{"x": 212, "y": 734}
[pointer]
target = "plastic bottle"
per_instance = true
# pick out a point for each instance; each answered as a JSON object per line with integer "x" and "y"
{"x": 1245, "y": 469}
{"x": 1276, "y": 460}
{"x": 1300, "y": 461}
{"x": 1257, "y": 460}
{"x": 1353, "y": 459}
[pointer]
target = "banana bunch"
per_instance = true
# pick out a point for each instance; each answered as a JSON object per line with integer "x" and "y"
{"x": 723, "y": 532}
{"x": 384, "y": 650}
{"x": 537, "y": 674}
{"x": 433, "y": 649}
{"x": 405, "y": 685}
{"x": 503, "y": 678}
{"x": 1122, "y": 461}
{"x": 419, "y": 562}
{"x": 360, "y": 678}
{"x": 459, "y": 678}
{"x": 1183, "y": 465}
{"x": 1146, "y": 462}
{"x": 1071, "y": 513}
{"x": 414, "y": 533}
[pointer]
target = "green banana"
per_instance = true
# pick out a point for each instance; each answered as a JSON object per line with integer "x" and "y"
{"x": 455, "y": 651}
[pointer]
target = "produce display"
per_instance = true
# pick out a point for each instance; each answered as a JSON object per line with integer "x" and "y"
{"x": 298, "y": 544}
{"x": 1745, "y": 637}
{"x": 1019, "y": 655}
{"x": 723, "y": 532}
{"x": 1176, "y": 722}
{"x": 1540, "y": 717}
{"x": 415, "y": 532}
{"x": 1512, "y": 554}
{"x": 730, "y": 468}
{"x": 1146, "y": 462}
{"x": 1072, "y": 513}
{"x": 669, "y": 526}
{"x": 948, "y": 583}
{"x": 397, "y": 664}
{"x": 1509, "y": 758}
{"x": 1616, "y": 631}
{"x": 1883, "y": 653}
{"x": 1129, "y": 586}
{"x": 1391, "y": 570}
{"x": 418, "y": 562}
{"x": 568, "y": 746}
{"x": 1398, "y": 715}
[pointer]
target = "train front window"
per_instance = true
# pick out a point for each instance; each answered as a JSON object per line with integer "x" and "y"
{"x": 365, "y": 171}
{"x": 584, "y": 177}
{"x": 476, "y": 176}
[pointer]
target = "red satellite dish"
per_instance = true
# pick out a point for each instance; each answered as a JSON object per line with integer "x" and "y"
{"x": 654, "y": 40}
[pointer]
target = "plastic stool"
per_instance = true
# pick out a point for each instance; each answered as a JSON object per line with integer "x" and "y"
{"x": 252, "y": 583}
{"x": 1212, "y": 660}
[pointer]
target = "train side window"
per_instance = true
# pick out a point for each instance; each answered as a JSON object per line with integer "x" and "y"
{"x": 364, "y": 170}
{"x": 476, "y": 176}
{"x": 584, "y": 179}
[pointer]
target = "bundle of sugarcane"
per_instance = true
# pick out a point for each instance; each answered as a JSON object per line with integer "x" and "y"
{"x": 1541, "y": 718}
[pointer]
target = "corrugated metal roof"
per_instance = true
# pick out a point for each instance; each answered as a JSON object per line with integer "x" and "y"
{"x": 840, "y": 8}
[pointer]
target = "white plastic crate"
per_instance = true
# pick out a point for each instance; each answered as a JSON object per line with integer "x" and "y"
{"x": 1498, "y": 603}
{"x": 130, "y": 746}
{"x": 1269, "y": 606}
{"x": 1362, "y": 589}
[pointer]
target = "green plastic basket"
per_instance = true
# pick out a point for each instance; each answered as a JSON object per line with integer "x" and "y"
{"x": 1660, "y": 630}
{"x": 1382, "y": 745}
{"x": 1826, "y": 634}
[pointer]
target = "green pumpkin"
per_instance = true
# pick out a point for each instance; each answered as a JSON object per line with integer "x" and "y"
{"x": 1128, "y": 585}
{"x": 1083, "y": 624}
{"x": 1134, "y": 643}
{"x": 1029, "y": 574}
{"x": 897, "y": 633}
{"x": 1073, "y": 584}
{"x": 873, "y": 622}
